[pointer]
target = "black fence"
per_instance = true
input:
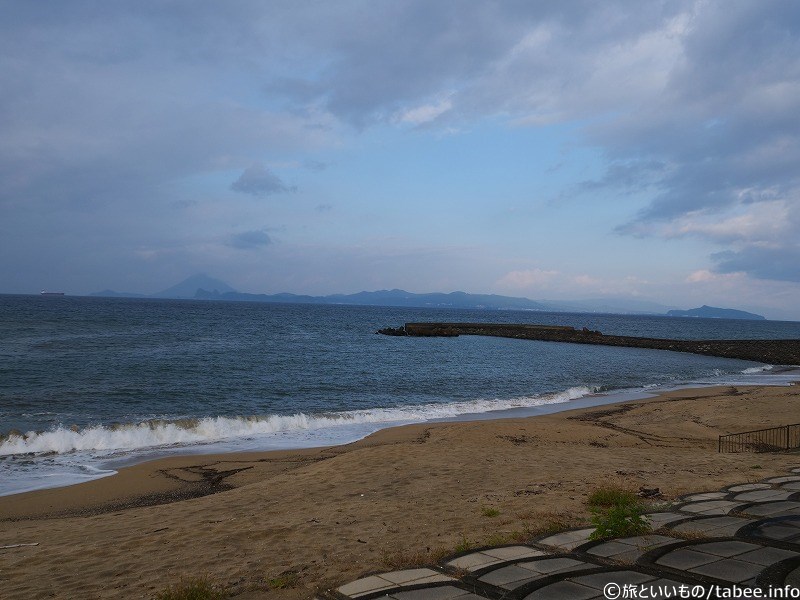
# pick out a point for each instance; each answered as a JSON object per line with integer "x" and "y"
{"x": 774, "y": 439}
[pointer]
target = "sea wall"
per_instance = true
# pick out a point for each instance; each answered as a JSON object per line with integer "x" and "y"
{"x": 776, "y": 352}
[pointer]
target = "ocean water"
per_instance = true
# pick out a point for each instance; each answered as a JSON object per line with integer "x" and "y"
{"x": 90, "y": 384}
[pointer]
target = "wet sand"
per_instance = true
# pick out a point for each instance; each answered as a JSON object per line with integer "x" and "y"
{"x": 321, "y": 517}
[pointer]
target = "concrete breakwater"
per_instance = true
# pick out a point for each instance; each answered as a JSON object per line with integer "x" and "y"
{"x": 776, "y": 352}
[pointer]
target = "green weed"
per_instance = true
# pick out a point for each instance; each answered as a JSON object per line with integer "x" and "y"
{"x": 616, "y": 513}
{"x": 193, "y": 588}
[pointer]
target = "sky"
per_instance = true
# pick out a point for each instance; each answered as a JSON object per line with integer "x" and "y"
{"x": 553, "y": 150}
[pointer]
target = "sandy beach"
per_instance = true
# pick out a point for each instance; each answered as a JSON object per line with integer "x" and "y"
{"x": 317, "y": 518}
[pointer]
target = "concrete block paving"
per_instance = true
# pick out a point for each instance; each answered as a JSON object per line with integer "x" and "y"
{"x": 746, "y": 535}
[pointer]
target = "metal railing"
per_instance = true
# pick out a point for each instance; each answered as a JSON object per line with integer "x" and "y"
{"x": 773, "y": 439}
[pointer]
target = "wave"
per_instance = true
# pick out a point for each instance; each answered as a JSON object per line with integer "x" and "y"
{"x": 754, "y": 370}
{"x": 158, "y": 433}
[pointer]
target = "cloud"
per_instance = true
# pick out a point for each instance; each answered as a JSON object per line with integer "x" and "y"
{"x": 259, "y": 181}
{"x": 527, "y": 279}
{"x": 725, "y": 131}
{"x": 781, "y": 263}
{"x": 112, "y": 123}
{"x": 249, "y": 240}
{"x": 425, "y": 113}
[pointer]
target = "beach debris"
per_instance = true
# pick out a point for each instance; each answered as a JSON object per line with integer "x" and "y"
{"x": 18, "y": 545}
{"x": 360, "y": 541}
{"x": 645, "y": 492}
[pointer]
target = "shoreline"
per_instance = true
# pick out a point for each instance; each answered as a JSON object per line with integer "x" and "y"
{"x": 397, "y": 498}
{"x": 184, "y": 476}
{"x": 780, "y": 375}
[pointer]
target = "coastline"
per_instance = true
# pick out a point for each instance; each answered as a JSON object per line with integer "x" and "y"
{"x": 395, "y": 497}
{"x": 354, "y": 427}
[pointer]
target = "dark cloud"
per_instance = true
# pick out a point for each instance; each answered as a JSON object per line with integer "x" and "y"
{"x": 108, "y": 109}
{"x": 780, "y": 263}
{"x": 257, "y": 180}
{"x": 726, "y": 131}
{"x": 250, "y": 240}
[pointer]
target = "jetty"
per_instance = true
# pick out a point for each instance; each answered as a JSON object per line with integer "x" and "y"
{"x": 771, "y": 351}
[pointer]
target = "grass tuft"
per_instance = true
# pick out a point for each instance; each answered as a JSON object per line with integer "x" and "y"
{"x": 193, "y": 588}
{"x": 464, "y": 545}
{"x": 616, "y": 512}
{"x": 398, "y": 560}
{"x": 605, "y": 497}
{"x": 489, "y": 511}
{"x": 283, "y": 581}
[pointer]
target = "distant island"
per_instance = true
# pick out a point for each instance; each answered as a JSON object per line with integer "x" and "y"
{"x": 203, "y": 287}
{"x": 712, "y": 312}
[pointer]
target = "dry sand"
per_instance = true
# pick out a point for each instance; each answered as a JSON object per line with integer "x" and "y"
{"x": 404, "y": 495}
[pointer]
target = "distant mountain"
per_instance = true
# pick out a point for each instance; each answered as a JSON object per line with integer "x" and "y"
{"x": 711, "y": 312}
{"x": 203, "y": 287}
{"x": 389, "y": 298}
{"x": 113, "y": 294}
{"x": 188, "y": 287}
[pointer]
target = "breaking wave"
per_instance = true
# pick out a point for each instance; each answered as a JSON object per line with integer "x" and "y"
{"x": 754, "y": 370}
{"x": 159, "y": 433}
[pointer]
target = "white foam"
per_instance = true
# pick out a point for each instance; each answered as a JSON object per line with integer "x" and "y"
{"x": 754, "y": 370}
{"x": 158, "y": 434}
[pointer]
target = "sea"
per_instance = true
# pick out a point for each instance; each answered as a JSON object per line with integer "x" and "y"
{"x": 89, "y": 385}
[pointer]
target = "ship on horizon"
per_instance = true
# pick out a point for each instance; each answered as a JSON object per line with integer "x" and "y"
{"x": 45, "y": 293}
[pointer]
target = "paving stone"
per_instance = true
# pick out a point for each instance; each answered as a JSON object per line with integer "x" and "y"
{"x": 713, "y": 526}
{"x": 729, "y": 569}
{"x": 513, "y": 552}
{"x": 564, "y": 590}
{"x": 437, "y": 593}
{"x": 510, "y": 577}
{"x": 793, "y": 578}
{"x": 474, "y": 561}
{"x": 646, "y": 542}
{"x": 547, "y": 566}
{"x": 628, "y": 550}
{"x": 713, "y": 507}
{"x": 705, "y": 496}
{"x": 725, "y": 549}
{"x": 778, "y": 532}
{"x": 568, "y": 539}
{"x": 658, "y": 520}
{"x": 763, "y": 496}
{"x": 599, "y": 580}
{"x": 774, "y": 508}
{"x": 748, "y": 487}
{"x": 767, "y": 556}
{"x": 663, "y": 588}
{"x": 368, "y": 585}
{"x": 609, "y": 549}
{"x": 414, "y": 576}
{"x": 735, "y": 561}
{"x": 684, "y": 558}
